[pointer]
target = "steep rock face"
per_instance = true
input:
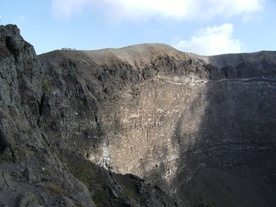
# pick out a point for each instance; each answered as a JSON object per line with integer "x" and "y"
{"x": 31, "y": 175}
{"x": 191, "y": 124}
{"x": 33, "y": 170}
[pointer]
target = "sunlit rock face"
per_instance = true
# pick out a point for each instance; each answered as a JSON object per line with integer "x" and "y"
{"x": 193, "y": 125}
{"x": 145, "y": 128}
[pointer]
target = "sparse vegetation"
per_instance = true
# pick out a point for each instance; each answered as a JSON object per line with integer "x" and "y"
{"x": 199, "y": 202}
{"x": 100, "y": 198}
{"x": 56, "y": 189}
{"x": 45, "y": 87}
{"x": 85, "y": 171}
{"x": 128, "y": 192}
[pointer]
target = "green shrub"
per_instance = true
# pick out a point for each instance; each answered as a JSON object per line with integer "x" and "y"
{"x": 45, "y": 87}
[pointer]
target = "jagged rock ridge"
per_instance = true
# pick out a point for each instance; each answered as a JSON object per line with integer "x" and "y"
{"x": 200, "y": 128}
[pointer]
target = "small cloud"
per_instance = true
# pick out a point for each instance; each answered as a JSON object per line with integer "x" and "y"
{"x": 211, "y": 41}
{"x": 228, "y": 8}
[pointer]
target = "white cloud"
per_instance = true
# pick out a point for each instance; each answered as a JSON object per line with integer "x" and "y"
{"x": 211, "y": 41}
{"x": 65, "y": 8}
{"x": 177, "y": 9}
{"x": 234, "y": 7}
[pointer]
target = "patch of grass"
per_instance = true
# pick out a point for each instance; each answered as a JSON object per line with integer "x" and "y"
{"x": 56, "y": 189}
{"x": 82, "y": 171}
{"x": 100, "y": 198}
{"x": 199, "y": 202}
{"x": 89, "y": 175}
{"x": 128, "y": 193}
{"x": 45, "y": 87}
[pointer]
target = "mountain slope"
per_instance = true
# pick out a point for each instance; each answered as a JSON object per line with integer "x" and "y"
{"x": 34, "y": 171}
{"x": 200, "y": 129}
{"x": 166, "y": 115}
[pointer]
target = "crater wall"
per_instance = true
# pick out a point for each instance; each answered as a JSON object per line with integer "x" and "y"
{"x": 181, "y": 121}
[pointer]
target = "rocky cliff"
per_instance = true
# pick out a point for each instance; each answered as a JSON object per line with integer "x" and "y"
{"x": 136, "y": 126}
{"x": 34, "y": 169}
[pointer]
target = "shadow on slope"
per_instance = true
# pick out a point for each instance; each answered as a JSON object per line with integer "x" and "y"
{"x": 232, "y": 161}
{"x": 111, "y": 189}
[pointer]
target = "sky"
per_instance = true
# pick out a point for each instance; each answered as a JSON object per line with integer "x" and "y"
{"x": 205, "y": 27}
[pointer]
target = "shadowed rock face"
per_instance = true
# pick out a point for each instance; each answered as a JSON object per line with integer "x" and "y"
{"x": 200, "y": 128}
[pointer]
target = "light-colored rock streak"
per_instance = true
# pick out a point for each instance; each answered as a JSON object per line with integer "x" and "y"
{"x": 152, "y": 130}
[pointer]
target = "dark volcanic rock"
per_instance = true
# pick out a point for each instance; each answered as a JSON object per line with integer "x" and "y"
{"x": 30, "y": 173}
{"x": 33, "y": 171}
{"x": 200, "y": 129}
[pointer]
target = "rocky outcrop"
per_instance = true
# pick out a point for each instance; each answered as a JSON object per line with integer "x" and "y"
{"x": 33, "y": 170}
{"x": 200, "y": 129}
{"x": 31, "y": 174}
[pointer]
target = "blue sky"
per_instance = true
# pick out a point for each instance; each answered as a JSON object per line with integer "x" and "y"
{"x": 204, "y": 27}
